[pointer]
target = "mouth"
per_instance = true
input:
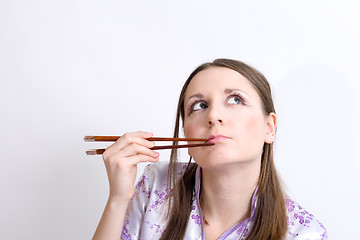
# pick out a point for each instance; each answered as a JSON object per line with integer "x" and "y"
{"x": 217, "y": 138}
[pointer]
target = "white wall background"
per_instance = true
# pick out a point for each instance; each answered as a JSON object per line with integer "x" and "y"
{"x": 75, "y": 68}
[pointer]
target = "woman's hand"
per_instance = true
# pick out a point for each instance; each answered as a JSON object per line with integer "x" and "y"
{"x": 121, "y": 159}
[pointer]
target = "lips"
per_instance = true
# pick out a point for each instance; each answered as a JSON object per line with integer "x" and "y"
{"x": 217, "y": 138}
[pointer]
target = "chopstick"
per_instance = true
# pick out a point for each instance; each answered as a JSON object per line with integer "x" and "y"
{"x": 101, "y": 151}
{"x": 114, "y": 138}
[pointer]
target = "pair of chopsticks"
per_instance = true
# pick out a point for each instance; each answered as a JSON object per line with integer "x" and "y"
{"x": 114, "y": 138}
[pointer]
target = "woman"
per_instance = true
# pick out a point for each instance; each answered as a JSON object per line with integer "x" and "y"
{"x": 231, "y": 191}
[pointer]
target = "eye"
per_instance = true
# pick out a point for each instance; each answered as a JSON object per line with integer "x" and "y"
{"x": 235, "y": 100}
{"x": 196, "y": 106}
{"x": 199, "y": 106}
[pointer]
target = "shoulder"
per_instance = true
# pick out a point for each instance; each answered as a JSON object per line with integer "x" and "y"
{"x": 155, "y": 174}
{"x": 302, "y": 224}
{"x": 146, "y": 214}
{"x": 157, "y": 170}
{"x": 160, "y": 169}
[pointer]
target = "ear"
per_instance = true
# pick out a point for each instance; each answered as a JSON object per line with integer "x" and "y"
{"x": 270, "y": 128}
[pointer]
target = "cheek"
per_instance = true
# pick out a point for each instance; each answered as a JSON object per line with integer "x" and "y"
{"x": 188, "y": 131}
{"x": 255, "y": 125}
{"x": 252, "y": 123}
{"x": 192, "y": 130}
{"x": 189, "y": 128}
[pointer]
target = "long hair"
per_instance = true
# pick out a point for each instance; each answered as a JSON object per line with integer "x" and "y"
{"x": 270, "y": 220}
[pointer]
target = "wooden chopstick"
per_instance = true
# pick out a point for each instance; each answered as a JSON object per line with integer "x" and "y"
{"x": 101, "y": 151}
{"x": 114, "y": 138}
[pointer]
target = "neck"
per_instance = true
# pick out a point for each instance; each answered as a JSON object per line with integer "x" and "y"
{"x": 226, "y": 193}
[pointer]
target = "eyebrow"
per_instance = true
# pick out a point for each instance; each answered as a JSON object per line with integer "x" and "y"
{"x": 230, "y": 90}
{"x": 199, "y": 95}
{"x": 227, "y": 91}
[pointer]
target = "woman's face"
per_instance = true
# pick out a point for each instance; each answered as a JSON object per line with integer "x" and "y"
{"x": 223, "y": 105}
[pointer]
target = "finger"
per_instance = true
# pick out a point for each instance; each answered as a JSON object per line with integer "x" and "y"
{"x": 135, "y": 137}
{"x": 131, "y": 156}
{"x": 134, "y": 149}
{"x": 142, "y": 158}
{"x": 127, "y": 139}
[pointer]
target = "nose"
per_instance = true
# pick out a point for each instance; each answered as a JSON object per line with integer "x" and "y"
{"x": 213, "y": 122}
{"x": 214, "y": 116}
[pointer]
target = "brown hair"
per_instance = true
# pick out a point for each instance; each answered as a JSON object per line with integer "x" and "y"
{"x": 270, "y": 220}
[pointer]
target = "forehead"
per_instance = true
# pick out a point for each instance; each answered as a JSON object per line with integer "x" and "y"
{"x": 217, "y": 79}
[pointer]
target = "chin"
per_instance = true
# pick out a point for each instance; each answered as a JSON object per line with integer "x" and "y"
{"x": 214, "y": 159}
{"x": 221, "y": 158}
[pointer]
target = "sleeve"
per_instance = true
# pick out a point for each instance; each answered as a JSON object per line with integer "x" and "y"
{"x": 316, "y": 232}
{"x": 137, "y": 207}
{"x": 302, "y": 225}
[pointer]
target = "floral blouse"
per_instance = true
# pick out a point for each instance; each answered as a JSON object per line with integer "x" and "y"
{"x": 146, "y": 215}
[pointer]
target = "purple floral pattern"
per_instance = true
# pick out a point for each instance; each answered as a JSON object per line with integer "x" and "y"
{"x": 125, "y": 233}
{"x": 182, "y": 170}
{"x": 146, "y": 220}
{"x": 195, "y": 213}
{"x": 243, "y": 229}
{"x": 140, "y": 187}
{"x": 161, "y": 196}
{"x": 153, "y": 225}
{"x": 299, "y": 217}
